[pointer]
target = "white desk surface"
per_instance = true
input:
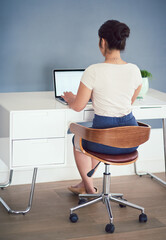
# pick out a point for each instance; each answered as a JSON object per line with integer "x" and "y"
{"x": 45, "y": 100}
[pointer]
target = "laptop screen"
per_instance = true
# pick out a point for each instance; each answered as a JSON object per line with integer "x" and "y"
{"x": 67, "y": 80}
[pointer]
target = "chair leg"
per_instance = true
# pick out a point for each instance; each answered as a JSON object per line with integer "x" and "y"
{"x": 108, "y": 206}
{"x": 117, "y": 195}
{"x": 89, "y": 195}
{"x": 126, "y": 203}
{"x": 86, "y": 204}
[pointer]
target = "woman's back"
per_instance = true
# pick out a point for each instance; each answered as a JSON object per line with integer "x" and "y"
{"x": 113, "y": 87}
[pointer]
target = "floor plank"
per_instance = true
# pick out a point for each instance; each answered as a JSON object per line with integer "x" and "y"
{"x": 49, "y": 216}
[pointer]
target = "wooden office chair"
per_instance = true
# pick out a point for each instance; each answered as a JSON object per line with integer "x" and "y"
{"x": 123, "y": 137}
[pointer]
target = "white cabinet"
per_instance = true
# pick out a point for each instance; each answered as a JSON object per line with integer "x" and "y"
{"x": 152, "y": 112}
{"x": 37, "y": 124}
{"x": 88, "y": 115}
{"x": 38, "y": 152}
{"x": 32, "y": 138}
{"x": 37, "y": 138}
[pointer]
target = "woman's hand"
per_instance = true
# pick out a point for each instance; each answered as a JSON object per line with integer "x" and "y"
{"x": 69, "y": 97}
{"x": 79, "y": 101}
{"x": 136, "y": 93}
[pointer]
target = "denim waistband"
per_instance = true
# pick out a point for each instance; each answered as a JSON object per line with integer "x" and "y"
{"x": 124, "y": 118}
{"x": 113, "y": 121}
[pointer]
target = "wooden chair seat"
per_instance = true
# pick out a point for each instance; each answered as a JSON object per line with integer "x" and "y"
{"x": 120, "y": 137}
{"x": 115, "y": 159}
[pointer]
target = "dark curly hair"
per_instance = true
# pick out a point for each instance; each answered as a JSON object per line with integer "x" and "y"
{"x": 115, "y": 33}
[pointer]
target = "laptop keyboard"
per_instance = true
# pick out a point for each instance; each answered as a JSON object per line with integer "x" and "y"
{"x": 61, "y": 99}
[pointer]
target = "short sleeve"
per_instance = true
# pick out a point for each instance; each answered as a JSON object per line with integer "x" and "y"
{"x": 88, "y": 77}
{"x": 137, "y": 77}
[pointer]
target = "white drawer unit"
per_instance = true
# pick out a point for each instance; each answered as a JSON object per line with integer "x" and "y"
{"x": 37, "y": 124}
{"x": 154, "y": 112}
{"x": 32, "y": 136}
{"x": 37, "y": 137}
{"x": 38, "y": 152}
{"x": 88, "y": 115}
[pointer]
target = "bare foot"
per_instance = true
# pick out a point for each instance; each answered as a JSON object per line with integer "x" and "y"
{"x": 79, "y": 185}
{"x": 92, "y": 190}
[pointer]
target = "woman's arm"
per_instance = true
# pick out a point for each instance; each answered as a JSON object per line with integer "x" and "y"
{"x": 79, "y": 101}
{"x": 136, "y": 93}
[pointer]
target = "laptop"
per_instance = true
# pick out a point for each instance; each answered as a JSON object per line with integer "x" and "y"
{"x": 66, "y": 80}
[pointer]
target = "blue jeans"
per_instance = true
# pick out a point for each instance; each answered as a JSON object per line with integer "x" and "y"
{"x": 100, "y": 122}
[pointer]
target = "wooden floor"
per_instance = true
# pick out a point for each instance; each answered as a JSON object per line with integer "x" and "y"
{"x": 49, "y": 216}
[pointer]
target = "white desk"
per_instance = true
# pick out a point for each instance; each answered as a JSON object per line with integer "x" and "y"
{"x": 33, "y": 129}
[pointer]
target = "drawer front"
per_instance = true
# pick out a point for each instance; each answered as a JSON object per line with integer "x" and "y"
{"x": 37, "y": 124}
{"x": 38, "y": 152}
{"x": 88, "y": 115}
{"x": 149, "y": 112}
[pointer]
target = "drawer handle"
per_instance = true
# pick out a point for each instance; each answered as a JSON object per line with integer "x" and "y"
{"x": 149, "y": 107}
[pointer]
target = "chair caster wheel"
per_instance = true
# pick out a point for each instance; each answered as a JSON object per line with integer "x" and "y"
{"x": 110, "y": 228}
{"x": 73, "y": 217}
{"x": 121, "y": 205}
{"x": 82, "y": 201}
{"x": 143, "y": 217}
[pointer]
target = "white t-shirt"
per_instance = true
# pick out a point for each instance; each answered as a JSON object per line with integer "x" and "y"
{"x": 112, "y": 86}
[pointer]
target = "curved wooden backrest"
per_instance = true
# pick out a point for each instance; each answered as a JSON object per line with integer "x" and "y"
{"x": 123, "y": 137}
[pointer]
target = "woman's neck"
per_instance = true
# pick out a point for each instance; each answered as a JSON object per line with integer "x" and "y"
{"x": 113, "y": 57}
